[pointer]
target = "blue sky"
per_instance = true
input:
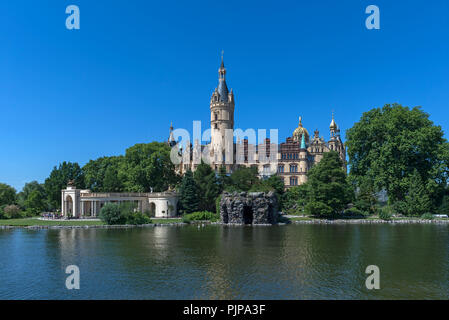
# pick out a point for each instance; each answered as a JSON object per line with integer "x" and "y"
{"x": 134, "y": 66}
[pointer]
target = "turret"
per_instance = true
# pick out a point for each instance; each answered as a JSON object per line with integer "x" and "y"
{"x": 221, "y": 110}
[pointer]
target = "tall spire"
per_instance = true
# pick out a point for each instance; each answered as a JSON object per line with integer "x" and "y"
{"x": 222, "y": 87}
{"x": 171, "y": 138}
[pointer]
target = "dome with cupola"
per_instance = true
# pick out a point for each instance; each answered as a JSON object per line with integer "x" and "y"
{"x": 300, "y": 131}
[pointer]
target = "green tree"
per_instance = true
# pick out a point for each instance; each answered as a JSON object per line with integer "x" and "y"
{"x": 28, "y": 189}
{"x": 365, "y": 197}
{"x": 58, "y": 179}
{"x": 328, "y": 190}
{"x": 294, "y": 199}
{"x": 7, "y": 194}
{"x": 35, "y": 203}
{"x": 111, "y": 214}
{"x": 389, "y": 143}
{"x": 242, "y": 179}
{"x": 444, "y": 207}
{"x": 149, "y": 167}
{"x": 189, "y": 193}
{"x": 112, "y": 182}
{"x": 208, "y": 187}
{"x": 417, "y": 201}
{"x": 102, "y": 174}
{"x": 223, "y": 178}
{"x": 12, "y": 211}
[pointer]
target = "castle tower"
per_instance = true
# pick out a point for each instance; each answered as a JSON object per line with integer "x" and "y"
{"x": 333, "y": 128}
{"x": 303, "y": 161}
{"x": 171, "y": 139}
{"x": 221, "y": 112}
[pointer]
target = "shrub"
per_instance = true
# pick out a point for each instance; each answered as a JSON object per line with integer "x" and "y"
{"x": 385, "y": 213}
{"x": 354, "y": 211}
{"x": 137, "y": 218}
{"x": 2, "y": 212}
{"x": 200, "y": 216}
{"x": 217, "y": 204}
{"x": 427, "y": 216}
{"x": 111, "y": 214}
{"x": 12, "y": 212}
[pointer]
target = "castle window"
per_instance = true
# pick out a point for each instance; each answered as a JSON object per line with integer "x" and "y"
{"x": 266, "y": 169}
{"x": 281, "y": 169}
{"x": 293, "y": 168}
{"x": 216, "y": 116}
{"x": 293, "y": 181}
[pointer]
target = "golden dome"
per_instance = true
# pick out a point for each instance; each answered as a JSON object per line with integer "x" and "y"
{"x": 333, "y": 125}
{"x": 297, "y": 134}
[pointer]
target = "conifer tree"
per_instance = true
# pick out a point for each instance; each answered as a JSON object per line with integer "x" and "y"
{"x": 189, "y": 193}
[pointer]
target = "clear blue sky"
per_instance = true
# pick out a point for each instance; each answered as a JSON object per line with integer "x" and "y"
{"x": 134, "y": 66}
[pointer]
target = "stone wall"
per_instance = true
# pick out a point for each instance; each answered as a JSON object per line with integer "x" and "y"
{"x": 249, "y": 208}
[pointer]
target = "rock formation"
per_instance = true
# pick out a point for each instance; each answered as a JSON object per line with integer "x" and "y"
{"x": 249, "y": 208}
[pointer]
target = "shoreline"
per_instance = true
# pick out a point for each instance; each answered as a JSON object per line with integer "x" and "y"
{"x": 203, "y": 223}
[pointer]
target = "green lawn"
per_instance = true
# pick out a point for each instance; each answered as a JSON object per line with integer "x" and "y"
{"x": 25, "y": 222}
{"x": 169, "y": 220}
{"x": 36, "y": 222}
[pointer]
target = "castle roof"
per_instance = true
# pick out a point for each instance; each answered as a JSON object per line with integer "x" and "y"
{"x": 222, "y": 88}
{"x": 300, "y": 131}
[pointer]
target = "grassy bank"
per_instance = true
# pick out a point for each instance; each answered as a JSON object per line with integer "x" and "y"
{"x": 27, "y": 222}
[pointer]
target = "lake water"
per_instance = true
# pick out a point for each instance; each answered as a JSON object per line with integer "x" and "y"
{"x": 218, "y": 262}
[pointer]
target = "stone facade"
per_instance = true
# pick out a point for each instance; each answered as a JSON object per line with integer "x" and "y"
{"x": 78, "y": 203}
{"x": 249, "y": 208}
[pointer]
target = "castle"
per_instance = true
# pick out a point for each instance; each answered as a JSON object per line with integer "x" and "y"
{"x": 291, "y": 160}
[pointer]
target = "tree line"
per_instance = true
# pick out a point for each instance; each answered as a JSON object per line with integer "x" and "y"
{"x": 393, "y": 151}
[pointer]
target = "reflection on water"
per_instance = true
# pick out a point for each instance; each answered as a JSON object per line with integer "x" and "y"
{"x": 219, "y": 262}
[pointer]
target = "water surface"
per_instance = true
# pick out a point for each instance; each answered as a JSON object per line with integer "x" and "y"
{"x": 219, "y": 262}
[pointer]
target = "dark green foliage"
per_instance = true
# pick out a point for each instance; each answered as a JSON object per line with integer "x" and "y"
{"x": 35, "y": 203}
{"x": 58, "y": 179}
{"x": 200, "y": 216}
{"x": 208, "y": 187}
{"x": 148, "y": 167}
{"x": 223, "y": 179}
{"x": 7, "y": 194}
{"x": 273, "y": 183}
{"x": 444, "y": 207}
{"x": 28, "y": 189}
{"x": 189, "y": 193}
{"x": 388, "y": 144}
{"x": 427, "y": 216}
{"x": 12, "y": 211}
{"x": 295, "y": 199}
{"x": 417, "y": 200}
{"x": 137, "y": 218}
{"x": 111, "y": 214}
{"x": 217, "y": 204}
{"x": 125, "y": 213}
{"x": 385, "y": 213}
{"x": 106, "y": 174}
{"x": 242, "y": 179}
{"x": 365, "y": 198}
{"x": 328, "y": 190}
{"x": 354, "y": 212}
